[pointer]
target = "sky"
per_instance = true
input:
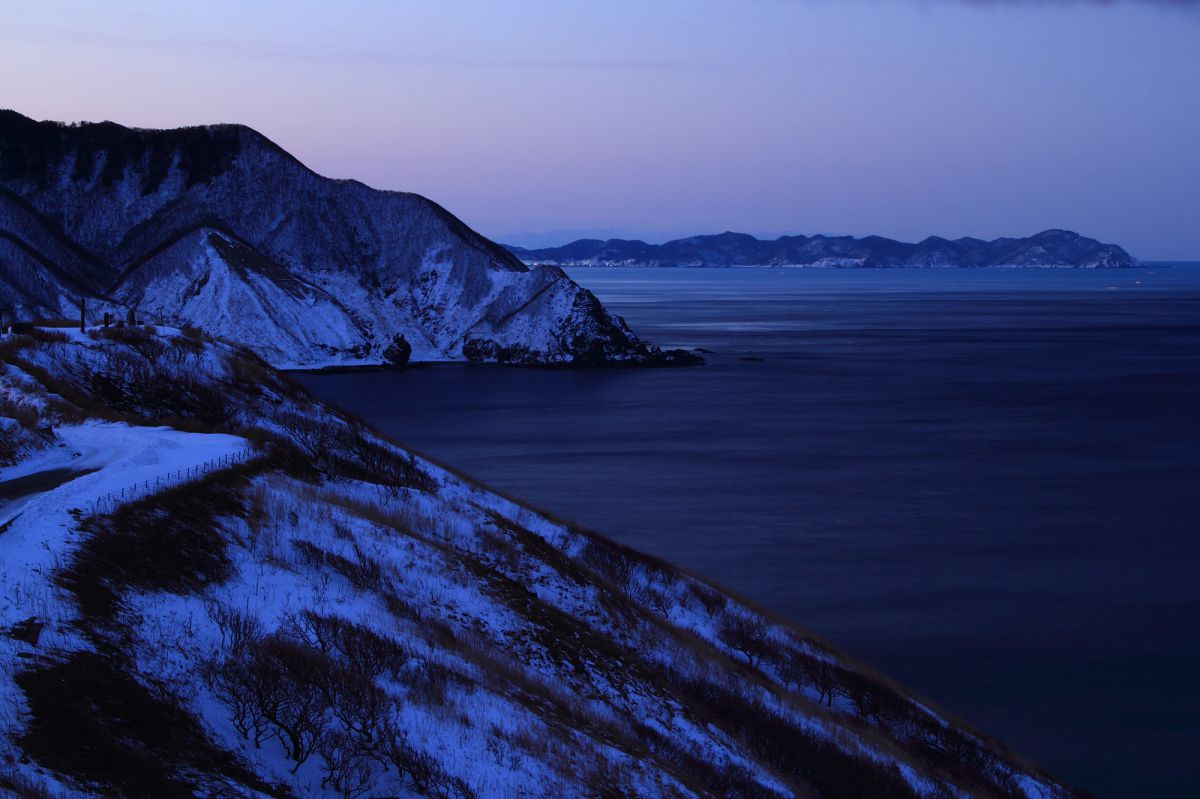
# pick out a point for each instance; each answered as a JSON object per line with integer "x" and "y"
{"x": 537, "y": 120}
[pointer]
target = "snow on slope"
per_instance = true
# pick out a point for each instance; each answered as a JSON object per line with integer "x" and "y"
{"x": 220, "y": 284}
{"x": 339, "y": 617}
{"x": 41, "y": 273}
{"x": 352, "y": 267}
{"x": 40, "y": 531}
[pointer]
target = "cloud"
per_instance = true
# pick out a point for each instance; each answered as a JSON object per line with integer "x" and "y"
{"x": 422, "y": 55}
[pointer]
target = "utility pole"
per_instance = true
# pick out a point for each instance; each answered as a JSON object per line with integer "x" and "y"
{"x": 82, "y": 314}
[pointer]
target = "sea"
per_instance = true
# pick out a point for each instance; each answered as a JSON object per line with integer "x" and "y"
{"x": 984, "y": 483}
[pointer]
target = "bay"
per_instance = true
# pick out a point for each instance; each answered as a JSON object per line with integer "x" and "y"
{"x": 985, "y": 483}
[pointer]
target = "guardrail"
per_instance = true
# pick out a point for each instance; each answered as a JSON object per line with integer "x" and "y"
{"x": 109, "y": 502}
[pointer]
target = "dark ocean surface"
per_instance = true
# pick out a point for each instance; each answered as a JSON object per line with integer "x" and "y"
{"x": 984, "y": 483}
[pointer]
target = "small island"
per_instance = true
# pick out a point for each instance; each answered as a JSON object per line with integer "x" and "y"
{"x": 1048, "y": 249}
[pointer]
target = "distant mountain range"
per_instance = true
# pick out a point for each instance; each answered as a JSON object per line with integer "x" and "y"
{"x": 1051, "y": 248}
{"x": 218, "y": 227}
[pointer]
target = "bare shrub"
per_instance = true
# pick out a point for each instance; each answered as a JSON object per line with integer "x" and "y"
{"x": 314, "y": 437}
{"x": 653, "y": 597}
{"x": 385, "y": 465}
{"x": 420, "y": 768}
{"x": 25, "y": 414}
{"x": 20, "y": 428}
{"x": 365, "y": 650}
{"x": 875, "y": 702}
{"x": 791, "y": 751}
{"x": 364, "y": 572}
{"x": 187, "y": 344}
{"x": 284, "y": 682}
{"x": 429, "y": 682}
{"x": 238, "y": 630}
{"x": 174, "y": 540}
{"x": 610, "y": 561}
{"x": 349, "y": 767}
{"x": 311, "y": 686}
{"x": 713, "y": 602}
{"x": 136, "y": 382}
{"x": 136, "y": 337}
{"x": 231, "y": 684}
{"x": 799, "y": 669}
{"x": 746, "y": 635}
{"x": 499, "y": 550}
{"x": 824, "y": 677}
{"x": 50, "y": 336}
{"x": 92, "y": 722}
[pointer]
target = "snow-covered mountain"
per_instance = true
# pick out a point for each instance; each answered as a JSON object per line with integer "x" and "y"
{"x": 220, "y": 228}
{"x": 1051, "y": 248}
{"x": 213, "y": 585}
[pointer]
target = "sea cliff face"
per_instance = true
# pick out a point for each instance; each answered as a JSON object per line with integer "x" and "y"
{"x": 1051, "y": 248}
{"x": 231, "y": 589}
{"x": 219, "y": 228}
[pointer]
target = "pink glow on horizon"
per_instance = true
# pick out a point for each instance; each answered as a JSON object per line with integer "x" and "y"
{"x": 897, "y": 118}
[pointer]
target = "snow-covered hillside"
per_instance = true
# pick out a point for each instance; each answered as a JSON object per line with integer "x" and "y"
{"x": 213, "y": 585}
{"x": 220, "y": 228}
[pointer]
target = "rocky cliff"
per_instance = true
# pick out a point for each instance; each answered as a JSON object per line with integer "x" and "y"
{"x": 220, "y": 228}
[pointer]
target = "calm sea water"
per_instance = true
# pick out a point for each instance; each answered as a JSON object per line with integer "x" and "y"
{"x": 985, "y": 483}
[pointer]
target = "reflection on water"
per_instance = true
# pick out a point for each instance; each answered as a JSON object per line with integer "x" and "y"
{"x": 986, "y": 483}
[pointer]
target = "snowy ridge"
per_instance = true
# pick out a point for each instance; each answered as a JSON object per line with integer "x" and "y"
{"x": 219, "y": 228}
{"x": 337, "y": 617}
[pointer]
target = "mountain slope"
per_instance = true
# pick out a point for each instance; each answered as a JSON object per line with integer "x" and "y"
{"x": 397, "y": 264}
{"x": 218, "y": 283}
{"x": 266, "y": 598}
{"x": 42, "y": 273}
{"x": 1051, "y": 248}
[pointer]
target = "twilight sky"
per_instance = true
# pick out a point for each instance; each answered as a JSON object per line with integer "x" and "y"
{"x": 669, "y": 117}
